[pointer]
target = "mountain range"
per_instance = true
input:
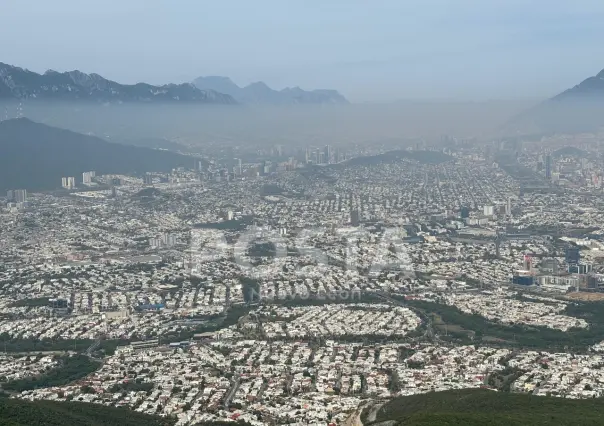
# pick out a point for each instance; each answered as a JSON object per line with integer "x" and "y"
{"x": 260, "y": 93}
{"x": 19, "y": 83}
{"x": 35, "y": 156}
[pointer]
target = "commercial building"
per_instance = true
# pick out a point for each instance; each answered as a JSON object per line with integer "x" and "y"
{"x": 573, "y": 255}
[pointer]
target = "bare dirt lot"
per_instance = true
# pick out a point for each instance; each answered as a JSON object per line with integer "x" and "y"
{"x": 585, "y": 297}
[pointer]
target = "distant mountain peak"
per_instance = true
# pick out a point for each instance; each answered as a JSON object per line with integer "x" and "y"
{"x": 19, "y": 83}
{"x": 591, "y": 88}
{"x": 578, "y": 109}
{"x": 260, "y": 93}
{"x": 259, "y": 84}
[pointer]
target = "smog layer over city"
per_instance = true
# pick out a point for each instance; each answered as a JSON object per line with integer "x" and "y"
{"x": 304, "y": 213}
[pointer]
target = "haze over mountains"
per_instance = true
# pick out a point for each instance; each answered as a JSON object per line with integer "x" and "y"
{"x": 34, "y": 156}
{"x": 77, "y": 101}
{"x": 590, "y": 88}
{"x": 19, "y": 83}
{"x": 578, "y": 109}
{"x": 260, "y": 93}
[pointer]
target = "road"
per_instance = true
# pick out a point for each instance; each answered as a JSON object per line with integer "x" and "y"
{"x": 231, "y": 393}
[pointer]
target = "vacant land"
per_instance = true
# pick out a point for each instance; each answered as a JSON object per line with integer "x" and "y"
{"x": 586, "y": 297}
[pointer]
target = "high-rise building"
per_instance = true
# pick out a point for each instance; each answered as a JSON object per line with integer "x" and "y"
{"x": 528, "y": 262}
{"x": 87, "y": 177}
{"x": 321, "y": 157}
{"x": 489, "y": 210}
{"x": 355, "y": 218}
{"x": 328, "y": 154}
{"x": 68, "y": 182}
{"x": 573, "y": 255}
{"x": 464, "y": 212}
{"x": 168, "y": 240}
{"x": 148, "y": 179}
{"x": 10, "y": 196}
{"x": 20, "y": 195}
{"x": 508, "y": 207}
{"x": 548, "y": 166}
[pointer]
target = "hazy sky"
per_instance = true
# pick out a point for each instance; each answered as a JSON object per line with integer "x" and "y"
{"x": 370, "y": 50}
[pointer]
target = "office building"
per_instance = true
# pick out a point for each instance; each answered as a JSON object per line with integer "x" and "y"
{"x": 148, "y": 179}
{"x": 508, "y": 207}
{"x": 355, "y": 218}
{"x": 548, "y": 166}
{"x": 464, "y": 212}
{"x": 489, "y": 210}
{"x": 572, "y": 255}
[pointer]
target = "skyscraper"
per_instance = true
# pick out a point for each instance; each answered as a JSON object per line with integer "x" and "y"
{"x": 548, "y": 166}
{"x": 464, "y": 212}
{"x": 508, "y": 207}
{"x": 87, "y": 177}
{"x": 321, "y": 157}
{"x": 354, "y": 217}
{"x": 328, "y": 153}
{"x": 20, "y": 195}
{"x": 572, "y": 255}
{"x": 68, "y": 182}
